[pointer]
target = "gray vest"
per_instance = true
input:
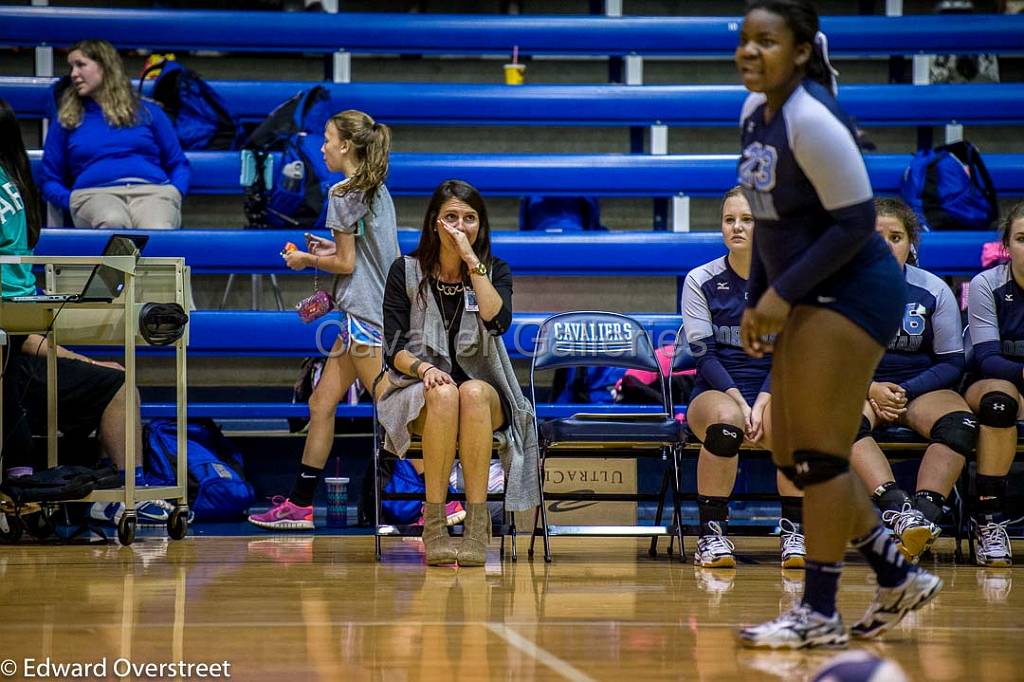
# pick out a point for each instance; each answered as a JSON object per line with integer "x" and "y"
{"x": 482, "y": 356}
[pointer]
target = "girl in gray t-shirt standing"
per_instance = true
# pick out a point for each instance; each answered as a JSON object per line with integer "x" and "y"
{"x": 361, "y": 217}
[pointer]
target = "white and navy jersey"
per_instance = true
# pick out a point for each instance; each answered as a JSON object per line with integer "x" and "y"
{"x": 995, "y": 307}
{"x": 714, "y": 298}
{"x": 927, "y": 352}
{"x": 803, "y": 173}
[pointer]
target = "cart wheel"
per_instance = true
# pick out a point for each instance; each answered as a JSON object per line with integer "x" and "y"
{"x": 11, "y": 529}
{"x": 40, "y": 525}
{"x": 177, "y": 523}
{"x": 126, "y": 529}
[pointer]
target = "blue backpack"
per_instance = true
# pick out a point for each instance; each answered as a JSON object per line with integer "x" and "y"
{"x": 200, "y": 116}
{"x": 404, "y": 479}
{"x": 588, "y": 385}
{"x": 302, "y": 181}
{"x": 216, "y": 489}
{"x": 559, "y": 214}
{"x": 949, "y": 188}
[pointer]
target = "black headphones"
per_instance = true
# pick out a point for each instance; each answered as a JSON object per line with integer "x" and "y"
{"x": 161, "y": 324}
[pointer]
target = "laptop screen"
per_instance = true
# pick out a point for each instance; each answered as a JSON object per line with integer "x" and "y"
{"x": 107, "y": 283}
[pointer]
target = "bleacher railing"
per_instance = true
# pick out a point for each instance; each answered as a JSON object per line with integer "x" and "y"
{"x": 482, "y": 34}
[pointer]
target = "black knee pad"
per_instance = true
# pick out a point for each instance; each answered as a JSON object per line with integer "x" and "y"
{"x": 958, "y": 431}
{"x": 998, "y": 410}
{"x": 813, "y": 467}
{"x": 723, "y": 440}
{"x": 865, "y": 429}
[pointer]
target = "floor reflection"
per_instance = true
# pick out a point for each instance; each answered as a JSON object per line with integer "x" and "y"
{"x": 321, "y": 608}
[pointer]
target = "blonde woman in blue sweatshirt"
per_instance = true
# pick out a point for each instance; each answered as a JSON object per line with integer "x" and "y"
{"x": 111, "y": 158}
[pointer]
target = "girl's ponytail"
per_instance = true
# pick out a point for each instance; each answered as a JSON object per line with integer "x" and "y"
{"x": 372, "y": 142}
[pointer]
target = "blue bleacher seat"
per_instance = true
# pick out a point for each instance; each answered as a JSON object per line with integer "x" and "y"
{"x": 482, "y": 34}
{"x": 272, "y": 333}
{"x": 606, "y": 105}
{"x": 606, "y": 254}
{"x": 602, "y": 175}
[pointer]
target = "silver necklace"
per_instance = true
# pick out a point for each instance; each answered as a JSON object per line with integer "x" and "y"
{"x": 449, "y": 289}
{"x": 455, "y": 315}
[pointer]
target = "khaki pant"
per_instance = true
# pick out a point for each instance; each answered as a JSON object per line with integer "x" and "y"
{"x": 151, "y": 207}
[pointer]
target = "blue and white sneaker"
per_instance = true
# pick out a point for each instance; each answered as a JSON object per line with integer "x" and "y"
{"x": 914, "y": 532}
{"x": 149, "y": 512}
{"x": 791, "y": 544}
{"x": 891, "y": 604}
{"x": 714, "y": 550}
{"x": 801, "y": 627}
{"x": 994, "y": 547}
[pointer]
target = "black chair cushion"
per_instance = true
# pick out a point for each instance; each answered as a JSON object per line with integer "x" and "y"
{"x": 896, "y": 434}
{"x": 575, "y": 429}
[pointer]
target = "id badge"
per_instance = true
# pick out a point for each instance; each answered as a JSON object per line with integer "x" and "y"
{"x": 471, "y": 305}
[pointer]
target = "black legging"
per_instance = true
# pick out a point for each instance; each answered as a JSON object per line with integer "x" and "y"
{"x": 17, "y": 437}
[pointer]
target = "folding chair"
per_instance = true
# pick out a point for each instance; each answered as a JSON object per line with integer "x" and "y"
{"x": 382, "y": 529}
{"x": 682, "y": 360}
{"x": 587, "y": 338}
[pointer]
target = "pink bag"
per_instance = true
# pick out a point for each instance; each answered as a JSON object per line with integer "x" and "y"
{"x": 664, "y": 355}
{"x": 993, "y": 253}
{"x": 316, "y": 306}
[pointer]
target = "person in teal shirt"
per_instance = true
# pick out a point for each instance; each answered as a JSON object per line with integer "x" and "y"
{"x": 20, "y": 221}
{"x": 20, "y": 208}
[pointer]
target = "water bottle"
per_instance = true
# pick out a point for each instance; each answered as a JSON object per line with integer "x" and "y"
{"x": 293, "y": 173}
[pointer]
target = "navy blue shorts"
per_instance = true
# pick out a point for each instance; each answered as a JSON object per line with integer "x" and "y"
{"x": 749, "y": 386}
{"x": 872, "y": 297}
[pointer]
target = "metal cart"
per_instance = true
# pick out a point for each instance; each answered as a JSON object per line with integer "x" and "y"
{"x": 147, "y": 280}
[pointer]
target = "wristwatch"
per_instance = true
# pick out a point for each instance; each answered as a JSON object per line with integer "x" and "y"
{"x": 480, "y": 269}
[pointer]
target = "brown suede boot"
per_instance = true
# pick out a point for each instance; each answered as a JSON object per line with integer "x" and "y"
{"x": 476, "y": 535}
{"x": 440, "y": 547}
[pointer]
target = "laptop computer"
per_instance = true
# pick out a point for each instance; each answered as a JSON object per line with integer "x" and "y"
{"x": 105, "y": 283}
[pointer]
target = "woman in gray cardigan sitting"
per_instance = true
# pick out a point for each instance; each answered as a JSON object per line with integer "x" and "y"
{"x": 450, "y": 380}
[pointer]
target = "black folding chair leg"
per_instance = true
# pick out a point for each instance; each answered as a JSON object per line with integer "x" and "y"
{"x": 677, "y": 507}
{"x": 512, "y": 534}
{"x": 533, "y": 538}
{"x": 536, "y": 512}
{"x": 544, "y": 527}
{"x": 378, "y": 550}
{"x": 542, "y": 509}
{"x": 653, "y": 551}
{"x": 672, "y": 538}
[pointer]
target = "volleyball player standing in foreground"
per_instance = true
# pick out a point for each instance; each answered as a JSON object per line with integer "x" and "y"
{"x": 824, "y": 281}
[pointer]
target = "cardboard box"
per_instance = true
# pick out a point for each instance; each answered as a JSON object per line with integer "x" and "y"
{"x": 598, "y": 475}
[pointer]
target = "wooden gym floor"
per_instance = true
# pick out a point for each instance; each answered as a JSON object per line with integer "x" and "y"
{"x": 320, "y": 608}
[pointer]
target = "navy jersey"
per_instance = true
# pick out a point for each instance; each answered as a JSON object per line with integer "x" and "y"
{"x": 714, "y": 298}
{"x": 995, "y": 305}
{"x": 803, "y": 174}
{"x": 929, "y": 335}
